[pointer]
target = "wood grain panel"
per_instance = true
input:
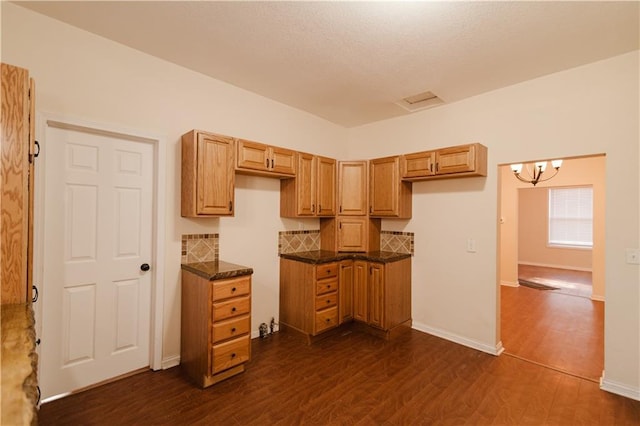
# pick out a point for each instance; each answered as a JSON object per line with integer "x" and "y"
{"x": 14, "y": 228}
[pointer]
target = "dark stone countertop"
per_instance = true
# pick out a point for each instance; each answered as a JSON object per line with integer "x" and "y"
{"x": 323, "y": 256}
{"x": 217, "y": 270}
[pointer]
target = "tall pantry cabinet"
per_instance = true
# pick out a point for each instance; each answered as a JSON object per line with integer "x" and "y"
{"x": 16, "y": 183}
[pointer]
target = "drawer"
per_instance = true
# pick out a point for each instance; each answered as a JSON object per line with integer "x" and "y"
{"x": 327, "y": 318}
{"x": 326, "y": 300}
{"x": 326, "y": 270}
{"x": 326, "y": 286}
{"x": 235, "y": 327}
{"x": 225, "y": 289}
{"x": 229, "y": 354}
{"x": 231, "y": 308}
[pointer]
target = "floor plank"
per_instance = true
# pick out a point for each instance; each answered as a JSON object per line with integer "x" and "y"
{"x": 553, "y": 328}
{"x": 353, "y": 379}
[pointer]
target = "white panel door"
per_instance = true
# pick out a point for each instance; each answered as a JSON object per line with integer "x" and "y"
{"x": 97, "y": 234}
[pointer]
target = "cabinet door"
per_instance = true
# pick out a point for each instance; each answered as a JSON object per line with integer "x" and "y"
{"x": 215, "y": 178}
{"x": 360, "y": 291}
{"x": 352, "y": 234}
{"x": 345, "y": 299}
{"x": 326, "y": 186}
{"x": 305, "y": 190}
{"x": 282, "y": 161}
{"x": 419, "y": 164}
{"x": 352, "y": 188}
{"x": 457, "y": 159}
{"x": 17, "y": 184}
{"x": 252, "y": 155}
{"x": 389, "y": 195}
{"x": 376, "y": 295}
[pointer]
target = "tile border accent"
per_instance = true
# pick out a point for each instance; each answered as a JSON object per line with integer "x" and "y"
{"x": 200, "y": 248}
{"x": 397, "y": 242}
{"x": 298, "y": 241}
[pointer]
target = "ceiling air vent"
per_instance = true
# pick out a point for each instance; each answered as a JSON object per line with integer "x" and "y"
{"x": 420, "y": 101}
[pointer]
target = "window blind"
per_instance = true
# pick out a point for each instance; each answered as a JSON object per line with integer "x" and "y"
{"x": 571, "y": 216}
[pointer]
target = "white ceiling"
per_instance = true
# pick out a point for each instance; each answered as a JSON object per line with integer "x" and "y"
{"x": 349, "y": 62}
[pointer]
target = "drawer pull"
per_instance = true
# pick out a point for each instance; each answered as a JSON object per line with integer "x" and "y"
{"x": 233, "y": 330}
{"x": 233, "y": 355}
{"x": 328, "y": 286}
{"x": 328, "y": 301}
{"x": 233, "y": 289}
{"x": 233, "y": 309}
{"x": 328, "y": 320}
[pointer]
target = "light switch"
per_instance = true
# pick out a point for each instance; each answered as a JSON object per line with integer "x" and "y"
{"x": 471, "y": 245}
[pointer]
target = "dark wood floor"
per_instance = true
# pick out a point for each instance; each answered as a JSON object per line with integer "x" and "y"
{"x": 554, "y": 329}
{"x": 354, "y": 379}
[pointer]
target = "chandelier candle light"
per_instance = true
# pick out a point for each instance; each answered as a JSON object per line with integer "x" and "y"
{"x": 538, "y": 170}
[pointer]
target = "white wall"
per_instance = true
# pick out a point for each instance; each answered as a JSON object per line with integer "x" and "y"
{"x": 587, "y": 110}
{"x": 86, "y": 77}
{"x": 592, "y": 109}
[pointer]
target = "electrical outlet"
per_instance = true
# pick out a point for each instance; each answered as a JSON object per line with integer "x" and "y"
{"x": 632, "y": 256}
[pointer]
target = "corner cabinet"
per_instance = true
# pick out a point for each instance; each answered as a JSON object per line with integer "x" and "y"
{"x": 453, "y": 162}
{"x": 264, "y": 160}
{"x": 313, "y": 191}
{"x": 382, "y": 295}
{"x": 215, "y": 327}
{"x": 389, "y": 195}
{"x": 308, "y": 297}
{"x": 207, "y": 174}
{"x": 352, "y": 188}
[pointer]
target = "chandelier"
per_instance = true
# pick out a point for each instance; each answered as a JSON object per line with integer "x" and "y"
{"x": 535, "y": 175}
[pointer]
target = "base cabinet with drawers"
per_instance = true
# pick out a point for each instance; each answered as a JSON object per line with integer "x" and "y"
{"x": 308, "y": 297}
{"x": 215, "y": 328}
{"x": 369, "y": 292}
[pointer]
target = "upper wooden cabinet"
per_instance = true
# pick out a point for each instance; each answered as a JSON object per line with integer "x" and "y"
{"x": 313, "y": 191}
{"x": 352, "y": 188}
{"x": 207, "y": 174}
{"x": 457, "y": 161}
{"x": 389, "y": 195}
{"x": 16, "y": 182}
{"x": 266, "y": 160}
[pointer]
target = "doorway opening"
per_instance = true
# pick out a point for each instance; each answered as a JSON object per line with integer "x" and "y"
{"x": 552, "y": 296}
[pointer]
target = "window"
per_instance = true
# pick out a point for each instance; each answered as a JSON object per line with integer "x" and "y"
{"x": 571, "y": 217}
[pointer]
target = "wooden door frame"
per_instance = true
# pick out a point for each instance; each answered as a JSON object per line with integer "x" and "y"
{"x": 46, "y": 120}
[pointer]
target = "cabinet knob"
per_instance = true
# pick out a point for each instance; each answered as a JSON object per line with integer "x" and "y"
{"x": 233, "y": 309}
{"x": 328, "y": 320}
{"x": 233, "y": 289}
{"x": 328, "y": 302}
{"x": 233, "y": 355}
{"x": 233, "y": 330}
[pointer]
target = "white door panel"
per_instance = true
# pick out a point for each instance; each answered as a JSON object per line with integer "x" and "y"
{"x": 97, "y": 233}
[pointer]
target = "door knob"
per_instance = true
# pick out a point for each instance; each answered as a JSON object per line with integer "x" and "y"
{"x": 145, "y": 267}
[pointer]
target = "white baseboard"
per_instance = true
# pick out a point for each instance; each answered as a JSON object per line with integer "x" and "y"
{"x": 549, "y": 265}
{"x": 170, "y": 361}
{"x": 461, "y": 340}
{"x": 619, "y": 388}
{"x": 510, "y": 283}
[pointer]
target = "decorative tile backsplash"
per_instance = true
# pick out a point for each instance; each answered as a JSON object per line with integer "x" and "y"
{"x": 297, "y": 241}
{"x": 200, "y": 248}
{"x": 396, "y": 242}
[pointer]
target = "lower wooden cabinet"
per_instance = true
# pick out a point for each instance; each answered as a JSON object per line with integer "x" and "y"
{"x": 317, "y": 298}
{"x": 381, "y": 294}
{"x": 215, "y": 328}
{"x": 308, "y": 297}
